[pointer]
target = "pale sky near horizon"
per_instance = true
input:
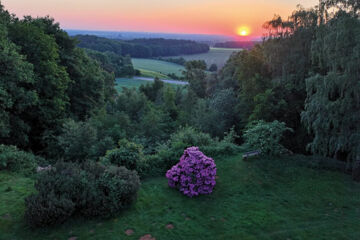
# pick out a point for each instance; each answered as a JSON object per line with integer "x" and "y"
{"x": 177, "y": 16}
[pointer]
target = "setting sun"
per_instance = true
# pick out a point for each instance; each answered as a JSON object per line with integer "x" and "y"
{"x": 243, "y": 31}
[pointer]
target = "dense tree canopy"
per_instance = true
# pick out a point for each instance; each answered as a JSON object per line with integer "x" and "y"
{"x": 45, "y": 78}
{"x": 142, "y": 48}
{"x": 332, "y": 108}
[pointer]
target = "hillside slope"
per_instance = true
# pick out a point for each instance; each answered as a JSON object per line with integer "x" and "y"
{"x": 259, "y": 199}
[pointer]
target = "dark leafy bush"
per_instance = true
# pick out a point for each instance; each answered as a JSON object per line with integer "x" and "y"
{"x": 168, "y": 154}
{"x": 127, "y": 154}
{"x": 194, "y": 174}
{"x": 89, "y": 189}
{"x": 45, "y": 210}
{"x": 266, "y": 137}
{"x": 15, "y": 160}
{"x": 76, "y": 141}
{"x": 115, "y": 189}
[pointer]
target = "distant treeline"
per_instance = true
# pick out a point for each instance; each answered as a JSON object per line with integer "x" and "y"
{"x": 243, "y": 45}
{"x": 142, "y": 48}
{"x": 113, "y": 63}
{"x": 180, "y": 60}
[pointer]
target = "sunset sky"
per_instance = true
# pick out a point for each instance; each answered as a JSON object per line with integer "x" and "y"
{"x": 176, "y": 16}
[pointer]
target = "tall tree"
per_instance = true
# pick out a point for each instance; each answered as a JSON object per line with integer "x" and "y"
{"x": 50, "y": 81}
{"x": 16, "y": 94}
{"x": 332, "y": 108}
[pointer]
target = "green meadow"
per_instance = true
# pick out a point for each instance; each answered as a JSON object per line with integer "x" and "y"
{"x": 262, "y": 198}
{"x": 128, "y": 83}
{"x": 219, "y": 56}
{"x": 158, "y": 66}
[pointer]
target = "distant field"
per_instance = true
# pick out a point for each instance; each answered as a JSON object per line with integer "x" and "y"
{"x": 152, "y": 74}
{"x": 219, "y": 56}
{"x": 161, "y": 67}
{"x": 129, "y": 83}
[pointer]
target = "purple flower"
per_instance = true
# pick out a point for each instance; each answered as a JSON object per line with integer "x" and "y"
{"x": 194, "y": 174}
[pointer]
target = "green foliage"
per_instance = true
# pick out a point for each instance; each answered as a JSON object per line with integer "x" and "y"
{"x": 113, "y": 63}
{"x": 76, "y": 141}
{"x": 151, "y": 90}
{"x": 332, "y": 107}
{"x": 16, "y": 95}
{"x": 50, "y": 81}
{"x": 168, "y": 154}
{"x": 91, "y": 85}
{"x": 195, "y": 74}
{"x": 44, "y": 79}
{"x": 127, "y": 154}
{"x": 114, "y": 190}
{"x": 217, "y": 114}
{"x": 90, "y": 189}
{"x": 266, "y": 137}
{"x": 142, "y": 48}
{"x": 260, "y": 196}
{"x": 15, "y": 160}
{"x": 213, "y": 68}
{"x": 46, "y": 210}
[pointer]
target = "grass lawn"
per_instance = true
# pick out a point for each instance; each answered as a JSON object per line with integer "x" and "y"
{"x": 219, "y": 56}
{"x": 158, "y": 66}
{"x": 259, "y": 199}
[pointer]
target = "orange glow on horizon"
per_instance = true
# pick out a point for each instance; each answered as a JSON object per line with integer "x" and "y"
{"x": 224, "y": 17}
{"x": 243, "y": 31}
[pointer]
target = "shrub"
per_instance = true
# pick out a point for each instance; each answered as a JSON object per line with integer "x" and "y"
{"x": 194, "y": 174}
{"x": 266, "y": 136}
{"x": 45, "y": 210}
{"x": 114, "y": 190}
{"x": 76, "y": 141}
{"x": 89, "y": 189}
{"x": 128, "y": 154}
{"x": 168, "y": 154}
{"x": 15, "y": 160}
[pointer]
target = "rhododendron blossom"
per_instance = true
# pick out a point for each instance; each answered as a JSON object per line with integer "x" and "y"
{"x": 194, "y": 174}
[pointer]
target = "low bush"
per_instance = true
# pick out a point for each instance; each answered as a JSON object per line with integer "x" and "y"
{"x": 15, "y": 160}
{"x": 76, "y": 141}
{"x": 194, "y": 174}
{"x": 89, "y": 189}
{"x": 266, "y": 136}
{"x": 168, "y": 154}
{"x": 114, "y": 190}
{"x": 45, "y": 210}
{"x": 128, "y": 154}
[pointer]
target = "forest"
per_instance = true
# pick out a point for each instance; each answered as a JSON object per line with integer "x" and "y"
{"x": 295, "y": 93}
{"x": 233, "y": 44}
{"x": 142, "y": 48}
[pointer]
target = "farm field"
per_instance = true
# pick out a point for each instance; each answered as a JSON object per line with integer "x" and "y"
{"x": 152, "y": 74}
{"x": 129, "y": 83}
{"x": 257, "y": 199}
{"x": 162, "y": 67}
{"x": 219, "y": 56}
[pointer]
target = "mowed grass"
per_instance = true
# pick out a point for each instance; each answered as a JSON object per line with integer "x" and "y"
{"x": 219, "y": 56}
{"x": 161, "y": 67}
{"x": 259, "y": 199}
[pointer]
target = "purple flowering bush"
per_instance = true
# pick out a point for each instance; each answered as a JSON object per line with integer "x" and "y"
{"x": 194, "y": 174}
